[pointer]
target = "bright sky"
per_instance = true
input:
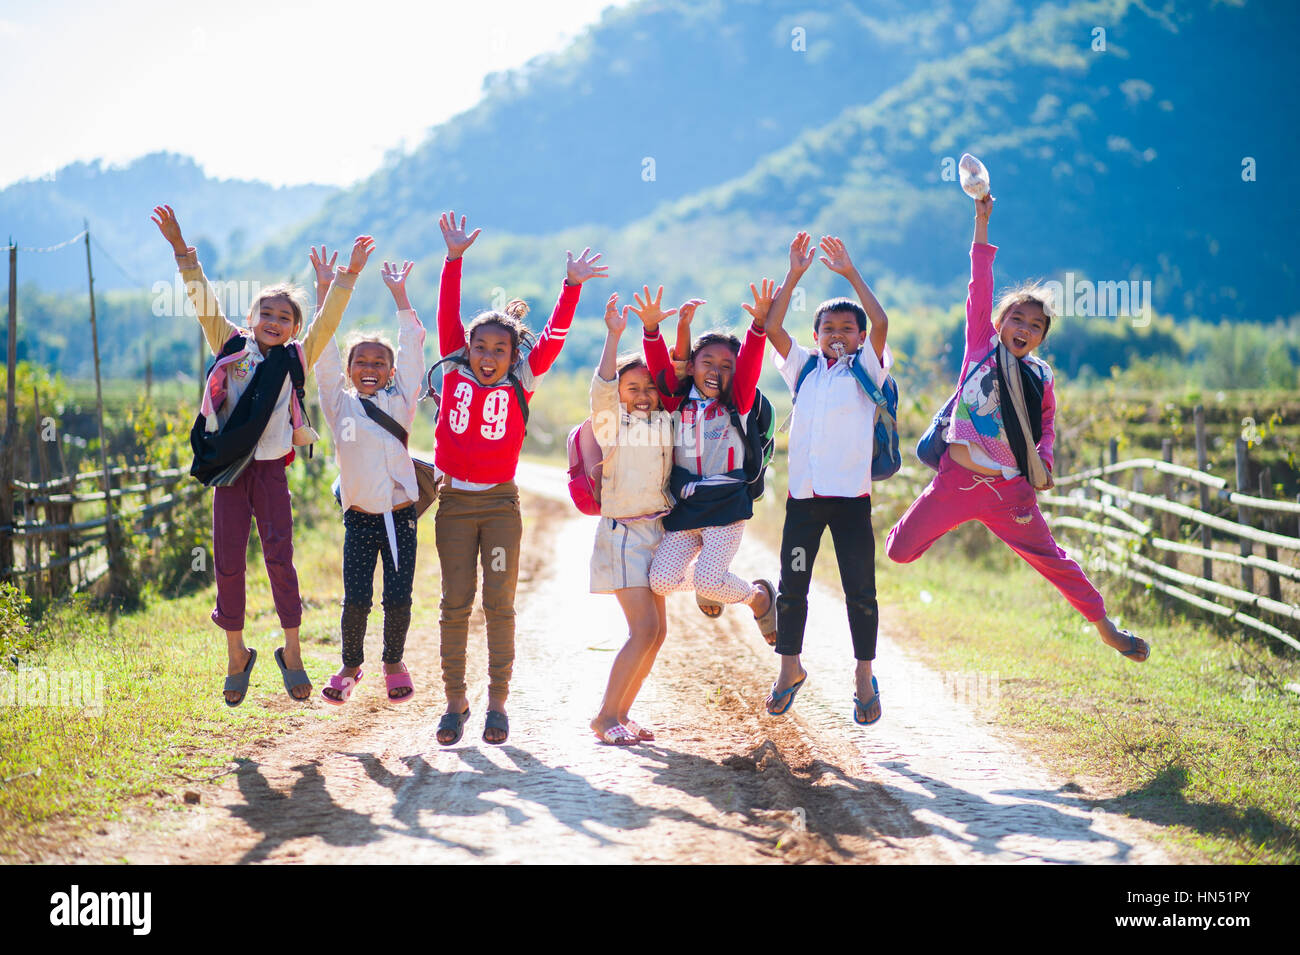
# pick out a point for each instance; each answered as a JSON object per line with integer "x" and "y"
{"x": 286, "y": 92}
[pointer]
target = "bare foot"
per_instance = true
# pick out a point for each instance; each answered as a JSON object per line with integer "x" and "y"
{"x": 293, "y": 661}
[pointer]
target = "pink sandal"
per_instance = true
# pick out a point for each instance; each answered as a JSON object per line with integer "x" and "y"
{"x": 343, "y": 684}
{"x": 617, "y": 735}
{"x": 395, "y": 681}
{"x": 639, "y": 731}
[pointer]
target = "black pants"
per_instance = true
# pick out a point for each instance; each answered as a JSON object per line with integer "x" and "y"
{"x": 364, "y": 541}
{"x": 849, "y": 519}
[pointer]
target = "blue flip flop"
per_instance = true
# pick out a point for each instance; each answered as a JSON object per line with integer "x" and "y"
{"x": 238, "y": 682}
{"x": 291, "y": 678}
{"x": 496, "y": 720}
{"x": 1138, "y": 649}
{"x": 455, "y": 723}
{"x": 863, "y": 708}
{"x": 788, "y": 695}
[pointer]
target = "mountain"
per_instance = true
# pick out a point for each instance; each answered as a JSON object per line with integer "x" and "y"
{"x": 232, "y": 215}
{"x": 654, "y": 102}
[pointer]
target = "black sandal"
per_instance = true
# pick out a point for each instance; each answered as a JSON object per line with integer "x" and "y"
{"x": 496, "y": 720}
{"x": 454, "y": 723}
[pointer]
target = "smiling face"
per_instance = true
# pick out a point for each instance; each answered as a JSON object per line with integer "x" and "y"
{"x": 839, "y": 327}
{"x": 637, "y": 392}
{"x": 274, "y": 322}
{"x": 711, "y": 370}
{"x": 1022, "y": 327}
{"x": 370, "y": 368}
{"x": 490, "y": 353}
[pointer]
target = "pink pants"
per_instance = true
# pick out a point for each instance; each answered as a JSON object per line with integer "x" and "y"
{"x": 1006, "y": 506}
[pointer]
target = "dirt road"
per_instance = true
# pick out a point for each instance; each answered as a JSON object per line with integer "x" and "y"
{"x": 723, "y": 782}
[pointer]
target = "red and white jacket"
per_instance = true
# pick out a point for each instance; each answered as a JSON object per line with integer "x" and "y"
{"x": 481, "y": 427}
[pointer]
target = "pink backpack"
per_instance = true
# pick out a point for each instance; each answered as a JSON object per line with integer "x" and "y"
{"x": 585, "y": 464}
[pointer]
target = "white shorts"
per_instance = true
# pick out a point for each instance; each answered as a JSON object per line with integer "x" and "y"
{"x": 623, "y": 554}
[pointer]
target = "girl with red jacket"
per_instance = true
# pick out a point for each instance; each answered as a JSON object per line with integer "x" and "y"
{"x": 480, "y": 433}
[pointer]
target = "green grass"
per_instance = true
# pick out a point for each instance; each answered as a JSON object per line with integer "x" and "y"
{"x": 162, "y": 725}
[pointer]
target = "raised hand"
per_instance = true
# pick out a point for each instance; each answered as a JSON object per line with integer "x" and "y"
{"x": 615, "y": 320}
{"x": 649, "y": 310}
{"x": 324, "y": 270}
{"x": 686, "y": 311}
{"x": 361, "y": 250}
{"x": 836, "y": 257}
{"x": 762, "y": 302}
{"x": 802, "y": 252}
{"x": 984, "y": 207}
{"x": 394, "y": 277}
{"x": 583, "y": 267}
{"x": 165, "y": 219}
{"x": 456, "y": 239}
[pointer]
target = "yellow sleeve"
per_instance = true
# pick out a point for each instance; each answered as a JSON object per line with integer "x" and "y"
{"x": 326, "y": 321}
{"x": 217, "y": 329}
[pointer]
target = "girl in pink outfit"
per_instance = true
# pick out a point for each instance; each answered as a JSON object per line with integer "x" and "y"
{"x": 982, "y": 475}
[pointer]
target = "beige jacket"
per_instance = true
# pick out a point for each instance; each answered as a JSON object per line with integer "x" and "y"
{"x": 277, "y": 439}
{"x": 637, "y": 452}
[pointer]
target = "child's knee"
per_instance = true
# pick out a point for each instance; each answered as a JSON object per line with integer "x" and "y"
{"x": 895, "y": 550}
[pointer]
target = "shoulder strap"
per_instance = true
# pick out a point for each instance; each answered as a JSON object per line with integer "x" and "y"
{"x": 804, "y": 372}
{"x": 384, "y": 421}
{"x": 520, "y": 395}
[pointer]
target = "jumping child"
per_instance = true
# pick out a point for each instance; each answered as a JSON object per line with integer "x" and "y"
{"x": 636, "y": 445}
{"x": 479, "y": 436}
{"x": 709, "y": 479}
{"x": 258, "y": 354}
{"x": 986, "y": 472}
{"x": 377, "y": 482}
{"x": 830, "y": 451}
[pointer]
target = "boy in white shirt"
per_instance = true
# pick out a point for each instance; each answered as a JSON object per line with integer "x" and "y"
{"x": 830, "y": 455}
{"x": 377, "y": 483}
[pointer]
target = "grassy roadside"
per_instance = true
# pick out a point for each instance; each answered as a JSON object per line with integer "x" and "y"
{"x": 162, "y": 725}
{"x": 1202, "y": 740}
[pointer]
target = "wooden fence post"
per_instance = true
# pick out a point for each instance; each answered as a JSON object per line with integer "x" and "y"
{"x": 1244, "y": 513}
{"x": 1270, "y": 524}
{"x": 1169, "y": 522}
{"x": 11, "y": 426}
{"x": 1202, "y": 464}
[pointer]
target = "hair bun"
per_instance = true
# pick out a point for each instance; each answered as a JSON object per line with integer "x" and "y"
{"x": 517, "y": 308}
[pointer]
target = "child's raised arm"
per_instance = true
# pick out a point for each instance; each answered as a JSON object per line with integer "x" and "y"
{"x": 207, "y": 306}
{"x": 837, "y": 259}
{"x": 409, "y": 363}
{"x": 802, "y": 253}
{"x": 451, "y": 330}
{"x": 653, "y": 346}
{"x": 979, "y": 294}
{"x": 324, "y": 272}
{"x": 326, "y": 321}
{"x": 551, "y": 339}
{"x": 749, "y": 363}
{"x": 615, "y": 324}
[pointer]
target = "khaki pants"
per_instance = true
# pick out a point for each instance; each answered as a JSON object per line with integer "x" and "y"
{"x": 483, "y": 527}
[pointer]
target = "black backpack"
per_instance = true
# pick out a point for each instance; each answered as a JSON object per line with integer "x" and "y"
{"x": 759, "y": 430}
{"x": 221, "y": 456}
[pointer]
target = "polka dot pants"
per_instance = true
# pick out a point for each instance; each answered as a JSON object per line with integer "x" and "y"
{"x": 713, "y": 579}
{"x": 365, "y": 541}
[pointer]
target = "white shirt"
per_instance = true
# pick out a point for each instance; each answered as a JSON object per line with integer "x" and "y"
{"x": 375, "y": 470}
{"x": 832, "y": 431}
